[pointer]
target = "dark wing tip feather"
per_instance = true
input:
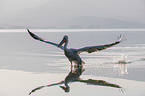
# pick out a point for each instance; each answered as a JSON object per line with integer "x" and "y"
{"x": 35, "y": 36}
{"x": 92, "y": 49}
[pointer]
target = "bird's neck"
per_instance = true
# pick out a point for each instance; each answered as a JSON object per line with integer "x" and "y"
{"x": 65, "y": 46}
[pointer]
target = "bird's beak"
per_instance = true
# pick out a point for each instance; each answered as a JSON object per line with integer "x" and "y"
{"x": 63, "y": 41}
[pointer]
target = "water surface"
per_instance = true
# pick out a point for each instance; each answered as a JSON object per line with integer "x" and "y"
{"x": 26, "y": 64}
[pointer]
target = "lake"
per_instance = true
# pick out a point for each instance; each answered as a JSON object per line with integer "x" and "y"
{"x": 27, "y": 65}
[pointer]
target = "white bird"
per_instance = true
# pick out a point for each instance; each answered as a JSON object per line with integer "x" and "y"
{"x": 73, "y": 54}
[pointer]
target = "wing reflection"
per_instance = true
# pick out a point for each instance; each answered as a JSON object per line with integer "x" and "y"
{"x": 74, "y": 76}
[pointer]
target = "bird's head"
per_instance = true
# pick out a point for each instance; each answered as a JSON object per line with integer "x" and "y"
{"x": 65, "y": 39}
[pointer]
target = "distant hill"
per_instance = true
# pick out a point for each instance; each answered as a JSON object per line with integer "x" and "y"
{"x": 94, "y": 22}
{"x": 6, "y": 26}
{"x": 84, "y": 22}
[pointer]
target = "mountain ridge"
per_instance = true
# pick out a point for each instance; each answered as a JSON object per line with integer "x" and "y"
{"x": 83, "y": 22}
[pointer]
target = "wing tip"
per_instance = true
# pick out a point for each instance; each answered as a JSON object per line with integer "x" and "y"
{"x": 34, "y": 36}
{"x": 121, "y": 38}
{"x": 28, "y": 30}
{"x": 30, "y": 33}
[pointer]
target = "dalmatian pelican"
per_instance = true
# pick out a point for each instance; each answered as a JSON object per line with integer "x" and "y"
{"x": 73, "y": 54}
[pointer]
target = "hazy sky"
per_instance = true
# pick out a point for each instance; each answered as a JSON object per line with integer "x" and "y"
{"x": 48, "y": 12}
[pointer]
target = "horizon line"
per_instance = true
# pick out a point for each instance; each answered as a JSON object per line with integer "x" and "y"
{"x": 72, "y": 30}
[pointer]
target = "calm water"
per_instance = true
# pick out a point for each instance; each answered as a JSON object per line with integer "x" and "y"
{"x": 26, "y": 64}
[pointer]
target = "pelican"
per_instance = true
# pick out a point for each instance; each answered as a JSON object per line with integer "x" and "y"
{"x": 73, "y": 54}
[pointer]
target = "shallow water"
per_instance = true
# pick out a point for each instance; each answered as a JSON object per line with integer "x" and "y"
{"x": 26, "y": 64}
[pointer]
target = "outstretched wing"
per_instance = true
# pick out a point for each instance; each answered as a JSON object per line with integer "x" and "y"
{"x": 91, "y": 49}
{"x": 38, "y": 88}
{"x": 100, "y": 83}
{"x": 43, "y": 40}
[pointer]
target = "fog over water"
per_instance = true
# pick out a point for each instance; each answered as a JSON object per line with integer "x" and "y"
{"x": 66, "y": 13}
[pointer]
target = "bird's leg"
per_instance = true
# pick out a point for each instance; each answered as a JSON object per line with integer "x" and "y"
{"x": 71, "y": 64}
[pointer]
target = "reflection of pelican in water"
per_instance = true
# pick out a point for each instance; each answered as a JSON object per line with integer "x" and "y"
{"x": 72, "y": 54}
{"x": 74, "y": 76}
